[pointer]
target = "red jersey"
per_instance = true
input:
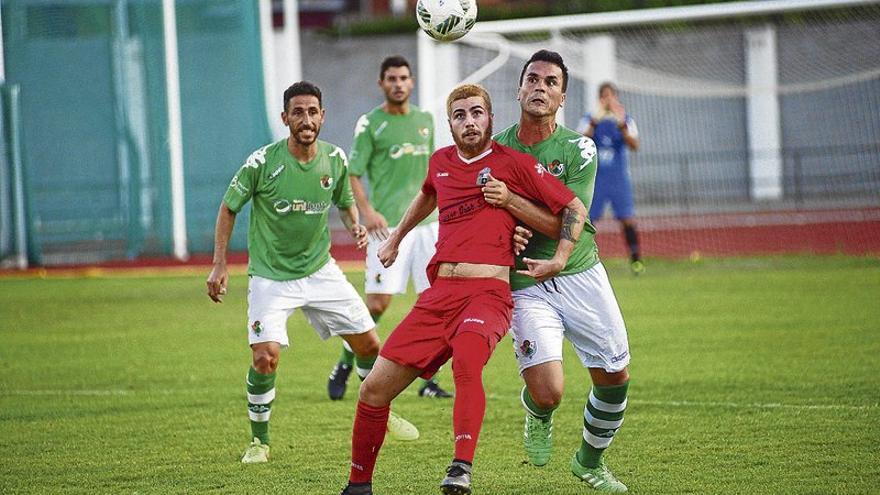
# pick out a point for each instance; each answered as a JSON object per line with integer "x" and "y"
{"x": 471, "y": 230}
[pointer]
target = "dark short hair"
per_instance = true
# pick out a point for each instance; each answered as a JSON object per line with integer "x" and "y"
{"x": 393, "y": 61}
{"x": 550, "y": 57}
{"x": 607, "y": 85}
{"x": 302, "y": 88}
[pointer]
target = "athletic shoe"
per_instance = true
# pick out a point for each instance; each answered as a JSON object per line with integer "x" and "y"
{"x": 337, "y": 381}
{"x": 401, "y": 429}
{"x": 256, "y": 453}
{"x": 457, "y": 480}
{"x": 358, "y": 489}
{"x": 599, "y": 478}
{"x": 637, "y": 267}
{"x": 538, "y": 439}
{"x": 432, "y": 389}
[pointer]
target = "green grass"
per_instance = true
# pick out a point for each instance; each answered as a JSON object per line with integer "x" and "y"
{"x": 749, "y": 376}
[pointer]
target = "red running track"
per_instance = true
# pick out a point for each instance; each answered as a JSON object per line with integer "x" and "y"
{"x": 850, "y": 231}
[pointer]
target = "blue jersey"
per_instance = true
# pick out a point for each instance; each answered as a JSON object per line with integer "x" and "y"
{"x": 611, "y": 145}
{"x": 612, "y": 176}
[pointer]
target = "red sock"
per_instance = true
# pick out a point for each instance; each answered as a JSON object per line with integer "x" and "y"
{"x": 366, "y": 440}
{"x": 470, "y": 352}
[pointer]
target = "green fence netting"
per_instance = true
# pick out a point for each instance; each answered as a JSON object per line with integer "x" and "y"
{"x": 94, "y": 126}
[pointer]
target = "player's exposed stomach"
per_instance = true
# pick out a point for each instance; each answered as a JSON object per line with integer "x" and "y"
{"x": 473, "y": 270}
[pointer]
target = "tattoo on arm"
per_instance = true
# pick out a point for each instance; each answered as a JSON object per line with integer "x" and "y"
{"x": 570, "y": 218}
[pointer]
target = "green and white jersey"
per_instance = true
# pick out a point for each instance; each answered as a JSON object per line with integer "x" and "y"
{"x": 571, "y": 158}
{"x": 288, "y": 238}
{"x": 393, "y": 151}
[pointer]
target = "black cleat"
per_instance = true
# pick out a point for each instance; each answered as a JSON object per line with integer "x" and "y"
{"x": 457, "y": 480}
{"x": 358, "y": 489}
{"x": 337, "y": 381}
{"x": 431, "y": 389}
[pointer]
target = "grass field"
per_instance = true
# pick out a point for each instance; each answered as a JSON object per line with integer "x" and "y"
{"x": 749, "y": 376}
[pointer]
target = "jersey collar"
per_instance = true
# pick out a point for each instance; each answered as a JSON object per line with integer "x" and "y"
{"x": 476, "y": 158}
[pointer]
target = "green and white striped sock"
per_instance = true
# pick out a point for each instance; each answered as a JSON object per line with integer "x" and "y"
{"x": 603, "y": 416}
{"x": 363, "y": 366}
{"x": 347, "y": 356}
{"x": 533, "y": 408}
{"x": 261, "y": 394}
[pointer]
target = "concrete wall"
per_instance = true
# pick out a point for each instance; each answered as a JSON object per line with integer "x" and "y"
{"x": 347, "y": 71}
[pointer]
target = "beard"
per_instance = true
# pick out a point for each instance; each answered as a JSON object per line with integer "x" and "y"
{"x": 397, "y": 100}
{"x": 475, "y": 148}
{"x": 297, "y": 136}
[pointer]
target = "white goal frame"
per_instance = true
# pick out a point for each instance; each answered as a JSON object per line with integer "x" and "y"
{"x": 438, "y": 69}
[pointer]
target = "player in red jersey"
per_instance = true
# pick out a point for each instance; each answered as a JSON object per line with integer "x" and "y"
{"x": 467, "y": 309}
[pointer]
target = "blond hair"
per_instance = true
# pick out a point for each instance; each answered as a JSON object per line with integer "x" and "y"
{"x": 464, "y": 91}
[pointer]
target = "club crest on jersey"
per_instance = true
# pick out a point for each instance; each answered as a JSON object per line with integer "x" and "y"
{"x": 483, "y": 176}
{"x": 527, "y": 349}
{"x": 257, "y": 328}
{"x": 556, "y": 168}
{"x": 326, "y": 182}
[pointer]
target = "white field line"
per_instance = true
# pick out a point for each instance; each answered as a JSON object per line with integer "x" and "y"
{"x": 636, "y": 402}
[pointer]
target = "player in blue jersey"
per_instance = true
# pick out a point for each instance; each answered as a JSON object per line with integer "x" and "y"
{"x": 614, "y": 131}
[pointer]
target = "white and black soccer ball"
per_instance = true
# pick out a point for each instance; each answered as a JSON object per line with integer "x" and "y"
{"x": 446, "y": 20}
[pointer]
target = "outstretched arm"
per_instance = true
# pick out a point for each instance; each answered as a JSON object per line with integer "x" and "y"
{"x": 422, "y": 206}
{"x": 219, "y": 276}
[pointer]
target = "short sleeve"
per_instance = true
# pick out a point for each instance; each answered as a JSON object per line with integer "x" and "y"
{"x": 537, "y": 184}
{"x": 244, "y": 183}
{"x": 631, "y": 127}
{"x": 581, "y": 174}
{"x": 342, "y": 196}
{"x": 584, "y": 123}
{"x": 361, "y": 148}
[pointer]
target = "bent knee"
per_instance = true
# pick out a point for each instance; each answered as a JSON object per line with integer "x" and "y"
{"x": 372, "y": 395}
{"x": 265, "y": 362}
{"x": 546, "y": 398}
{"x": 369, "y": 348}
{"x": 378, "y": 304}
{"x": 377, "y": 308}
{"x": 366, "y": 346}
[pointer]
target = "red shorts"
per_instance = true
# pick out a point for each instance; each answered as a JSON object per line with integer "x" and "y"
{"x": 423, "y": 340}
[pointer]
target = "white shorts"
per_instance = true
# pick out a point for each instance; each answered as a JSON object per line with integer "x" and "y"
{"x": 580, "y": 307}
{"x": 327, "y": 298}
{"x": 416, "y": 250}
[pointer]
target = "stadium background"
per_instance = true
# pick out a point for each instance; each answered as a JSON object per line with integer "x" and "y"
{"x": 84, "y": 169}
{"x": 751, "y": 374}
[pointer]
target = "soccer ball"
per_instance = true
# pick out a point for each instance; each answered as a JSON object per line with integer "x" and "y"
{"x": 446, "y": 20}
